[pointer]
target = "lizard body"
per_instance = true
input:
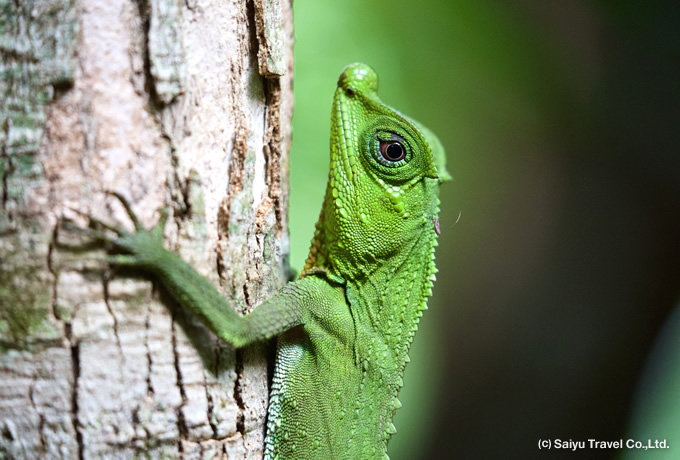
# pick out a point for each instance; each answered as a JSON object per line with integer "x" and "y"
{"x": 345, "y": 326}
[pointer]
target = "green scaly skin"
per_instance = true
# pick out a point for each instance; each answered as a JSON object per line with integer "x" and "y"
{"x": 345, "y": 326}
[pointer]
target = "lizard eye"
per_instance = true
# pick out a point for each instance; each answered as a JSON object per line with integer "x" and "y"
{"x": 392, "y": 151}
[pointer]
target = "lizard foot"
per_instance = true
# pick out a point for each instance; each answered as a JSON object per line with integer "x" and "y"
{"x": 137, "y": 248}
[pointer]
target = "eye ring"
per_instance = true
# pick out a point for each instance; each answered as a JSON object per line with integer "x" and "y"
{"x": 392, "y": 150}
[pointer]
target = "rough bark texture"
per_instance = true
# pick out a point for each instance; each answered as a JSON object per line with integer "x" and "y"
{"x": 166, "y": 102}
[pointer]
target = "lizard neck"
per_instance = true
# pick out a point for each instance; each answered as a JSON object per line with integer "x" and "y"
{"x": 386, "y": 308}
{"x": 386, "y": 293}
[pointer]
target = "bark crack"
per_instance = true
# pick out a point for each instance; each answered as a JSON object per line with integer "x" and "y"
{"x": 144, "y": 8}
{"x": 211, "y": 407}
{"x": 50, "y": 268}
{"x": 4, "y": 158}
{"x": 246, "y": 290}
{"x": 41, "y": 421}
{"x": 272, "y": 148}
{"x": 238, "y": 155}
{"x": 180, "y": 196}
{"x": 74, "y": 346}
{"x": 75, "y": 360}
{"x": 105, "y": 286}
{"x": 149, "y": 357}
{"x": 181, "y": 421}
{"x": 238, "y": 394}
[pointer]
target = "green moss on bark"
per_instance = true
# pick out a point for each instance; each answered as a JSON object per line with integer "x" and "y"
{"x": 24, "y": 305}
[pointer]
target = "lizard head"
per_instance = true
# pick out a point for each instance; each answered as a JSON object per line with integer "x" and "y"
{"x": 383, "y": 184}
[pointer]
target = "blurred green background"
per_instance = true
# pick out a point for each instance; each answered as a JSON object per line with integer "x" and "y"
{"x": 561, "y": 122}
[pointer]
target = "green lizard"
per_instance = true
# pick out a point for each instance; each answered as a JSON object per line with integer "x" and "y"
{"x": 345, "y": 326}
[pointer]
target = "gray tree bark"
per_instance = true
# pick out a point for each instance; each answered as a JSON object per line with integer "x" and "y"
{"x": 178, "y": 105}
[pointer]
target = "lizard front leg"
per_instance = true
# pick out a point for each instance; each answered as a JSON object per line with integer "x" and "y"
{"x": 143, "y": 249}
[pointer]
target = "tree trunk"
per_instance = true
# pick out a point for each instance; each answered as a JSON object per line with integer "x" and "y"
{"x": 177, "y": 105}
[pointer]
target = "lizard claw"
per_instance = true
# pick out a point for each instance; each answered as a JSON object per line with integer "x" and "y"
{"x": 128, "y": 208}
{"x": 157, "y": 231}
{"x": 92, "y": 232}
{"x": 94, "y": 222}
{"x": 136, "y": 245}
